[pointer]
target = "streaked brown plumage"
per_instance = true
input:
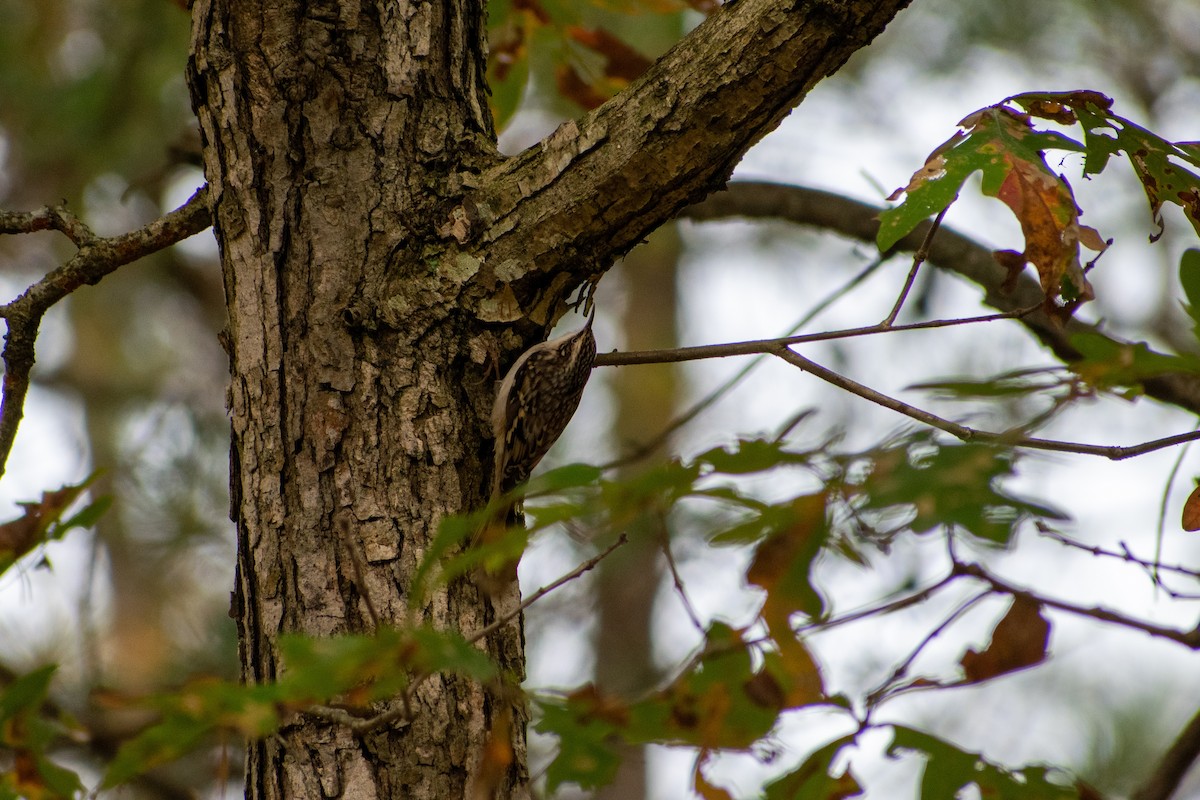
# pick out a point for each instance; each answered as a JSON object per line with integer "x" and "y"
{"x": 536, "y": 400}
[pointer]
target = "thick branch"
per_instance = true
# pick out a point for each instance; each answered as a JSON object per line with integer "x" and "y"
{"x": 1170, "y": 771}
{"x": 566, "y": 207}
{"x": 949, "y": 250}
{"x": 95, "y": 258}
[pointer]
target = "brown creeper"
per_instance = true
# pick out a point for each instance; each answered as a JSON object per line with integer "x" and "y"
{"x": 535, "y": 402}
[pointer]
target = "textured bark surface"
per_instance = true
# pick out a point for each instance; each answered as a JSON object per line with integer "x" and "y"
{"x": 382, "y": 267}
{"x": 331, "y": 131}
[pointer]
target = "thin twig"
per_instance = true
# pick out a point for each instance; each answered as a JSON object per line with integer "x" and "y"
{"x": 885, "y": 690}
{"x": 710, "y": 399}
{"x": 1189, "y": 639}
{"x": 545, "y": 590}
{"x": 769, "y": 346}
{"x": 665, "y": 542}
{"x": 96, "y": 258}
{"x": 48, "y": 218}
{"x": 880, "y": 610}
{"x": 967, "y": 434}
{"x": 1160, "y": 536}
{"x": 918, "y": 259}
{"x": 952, "y": 251}
{"x": 1125, "y": 554}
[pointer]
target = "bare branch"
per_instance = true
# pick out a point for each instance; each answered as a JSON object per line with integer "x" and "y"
{"x": 716, "y": 394}
{"x": 1152, "y": 567}
{"x": 545, "y": 590}
{"x": 889, "y": 687}
{"x": 1111, "y": 452}
{"x": 951, "y": 251}
{"x": 95, "y": 258}
{"x": 1189, "y": 639}
{"x": 769, "y": 346}
{"x": 48, "y": 218}
{"x": 918, "y": 259}
{"x": 664, "y": 541}
{"x": 880, "y": 610}
{"x": 1175, "y": 763}
{"x": 598, "y": 185}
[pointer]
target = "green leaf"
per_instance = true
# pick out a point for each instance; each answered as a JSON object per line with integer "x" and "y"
{"x": 168, "y": 740}
{"x": 452, "y": 532}
{"x": 60, "y": 781}
{"x": 1017, "y": 383}
{"x": 27, "y": 692}
{"x": 1160, "y": 165}
{"x": 812, "y": 781}
{"x": 1107, "y": 364}
{"x": 949, "y": 769}
{"x": 448, "y": 651}
{"x": 749, "y": 456}
{"x": 720, "y": 702}
{"x": 560, "y": 479}
{"x": 993, "y": 143}
{"x": 950, "y": 484}
{"x": 586, "y": 725}
{"x": 87, "y": 517}
{"x": 1189, "y": 277}
{"x": 783, "y": 561}
{"x": 39, "y": 522}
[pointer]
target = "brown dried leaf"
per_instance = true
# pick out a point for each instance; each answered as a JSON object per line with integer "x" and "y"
{"x": 20, "y": 535}
{"x": 1191, "y": 511}
{"x": 1019, "y": 641}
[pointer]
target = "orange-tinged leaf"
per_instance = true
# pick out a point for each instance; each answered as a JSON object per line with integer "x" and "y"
{"x": 782, "y": 563}
{"x": 1018, "y": 641}
{"x": 1191, "y": 511}
{"x": 591, "y": 704}
{"x": 796, "y": 673}
{"x": 1045, "y": 207}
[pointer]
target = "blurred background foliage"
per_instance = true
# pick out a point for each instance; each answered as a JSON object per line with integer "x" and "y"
{"x": 94, "y": 110}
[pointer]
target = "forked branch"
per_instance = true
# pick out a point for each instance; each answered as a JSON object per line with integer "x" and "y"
{"x": 96, "y": 257}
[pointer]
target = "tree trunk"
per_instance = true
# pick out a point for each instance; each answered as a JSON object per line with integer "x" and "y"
{"x": 382, "y": 267}
{"x": 331, "y": 134}
{"x": 628, "y": 580}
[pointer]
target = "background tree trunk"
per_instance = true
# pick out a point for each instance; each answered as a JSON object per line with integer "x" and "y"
{"x": 628, "y": 581}
{"x": 331, "y": 133}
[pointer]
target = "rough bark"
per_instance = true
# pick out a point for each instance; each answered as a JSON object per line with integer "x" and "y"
{"x": 330, "y": 133}
{"x": 382, "y": 265}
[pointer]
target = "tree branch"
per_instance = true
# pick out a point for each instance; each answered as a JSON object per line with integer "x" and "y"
{"x": 1175, "y": 763}
{"x": 96, "y": 257}
{"x": 1189, "y": 639}
{"x": 967, "y": 434}
{"x": 561, "y": 211}
{"x": 949, "y": 250}
{"x": 781, "y": 348}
